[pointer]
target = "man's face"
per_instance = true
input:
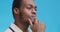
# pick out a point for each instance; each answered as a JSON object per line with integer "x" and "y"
{"x": 28, "y": 10}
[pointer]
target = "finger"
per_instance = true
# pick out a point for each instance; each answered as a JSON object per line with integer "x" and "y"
{"x": 30, "y": 22}
{"x": 36, "y": 21}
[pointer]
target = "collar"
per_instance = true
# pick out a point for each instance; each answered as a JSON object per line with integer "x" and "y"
{"x": 15, "y": 28}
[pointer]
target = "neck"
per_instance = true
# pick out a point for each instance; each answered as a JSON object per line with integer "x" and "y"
{"x": 22, "y": 26}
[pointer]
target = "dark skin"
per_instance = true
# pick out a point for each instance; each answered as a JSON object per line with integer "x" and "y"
{"x": 26, "y": 15}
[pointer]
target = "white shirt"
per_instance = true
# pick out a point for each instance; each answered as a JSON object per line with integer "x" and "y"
{"x": 15, "y": 28}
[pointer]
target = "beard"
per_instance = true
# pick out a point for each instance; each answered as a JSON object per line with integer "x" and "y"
{"x": 24, "y": 18}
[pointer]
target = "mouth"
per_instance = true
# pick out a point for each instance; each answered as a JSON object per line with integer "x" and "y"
{"x": 33, "y": 18}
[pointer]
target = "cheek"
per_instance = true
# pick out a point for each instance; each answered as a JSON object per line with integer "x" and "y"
{"x": 27, "y": 13}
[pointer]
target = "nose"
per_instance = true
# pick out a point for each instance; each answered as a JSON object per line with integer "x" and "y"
{"x": 33, "y": 11}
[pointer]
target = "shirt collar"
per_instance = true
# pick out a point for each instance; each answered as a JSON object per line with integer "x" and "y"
{"x": 15, "y": 28}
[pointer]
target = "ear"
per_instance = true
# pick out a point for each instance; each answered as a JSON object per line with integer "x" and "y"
{"x": 16, "y": 11}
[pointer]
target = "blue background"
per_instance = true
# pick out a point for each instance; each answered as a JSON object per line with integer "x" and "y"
{"x": 48, "y": 11}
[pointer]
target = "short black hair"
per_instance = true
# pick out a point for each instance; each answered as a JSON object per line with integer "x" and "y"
{"x": 16, "y": 4}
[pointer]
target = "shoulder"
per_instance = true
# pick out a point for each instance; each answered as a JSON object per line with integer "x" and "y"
{"x": 8, "y": 30}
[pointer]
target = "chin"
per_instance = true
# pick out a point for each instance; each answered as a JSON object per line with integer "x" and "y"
{"x": 33, "y": 20}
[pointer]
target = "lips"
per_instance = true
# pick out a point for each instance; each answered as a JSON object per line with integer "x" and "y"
{"x": 34, "y": 16}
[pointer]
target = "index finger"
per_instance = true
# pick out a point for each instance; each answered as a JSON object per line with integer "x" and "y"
{"x": 30, "y": 22}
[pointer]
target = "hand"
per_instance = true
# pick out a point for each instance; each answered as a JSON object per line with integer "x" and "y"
{"x": 37, "y": 26}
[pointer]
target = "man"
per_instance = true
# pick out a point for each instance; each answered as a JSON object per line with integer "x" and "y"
{"x": 24, "y": 12}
